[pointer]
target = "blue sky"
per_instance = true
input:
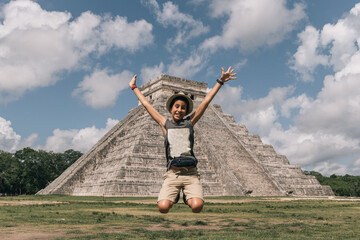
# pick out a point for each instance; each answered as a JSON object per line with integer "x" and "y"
{"x": 65, "y": 67}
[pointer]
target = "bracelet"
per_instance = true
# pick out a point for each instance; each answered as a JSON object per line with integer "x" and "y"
{"x": 133, "y": 87}
{"x": 222, "y": 83}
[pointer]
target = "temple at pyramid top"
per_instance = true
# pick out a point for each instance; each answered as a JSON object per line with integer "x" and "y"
{"x": 130, "y": 159}
{"x": 168, "y": 85}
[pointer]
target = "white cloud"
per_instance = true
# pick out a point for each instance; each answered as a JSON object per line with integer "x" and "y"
{"x": 78, "y": 139}
{"x": 253, "y": 23}
{"x": 186, "y": 25}
{"x": 331, "y": 168}
{"x": 84, "y": 32}
{"x": 325, "y": 133}
{"x": 239, "y": 65}
{"x": 258, "y": 115}
{"x": 61, "y": 140}
{"x": 148, "y": 73}
{"x": 27, "y": 39}
{"x": 352, "y": 67}
{"x": 229, "y": 96}
{"x": 29, "y": 141}
{"x": 36, "y": 45}
{"x": 100, "y": 90}
{"x": 23, "y": 15}
{"x": 187, "y": 68}
{"x": 312, "y": 147}
{"x": 342, "y": 37}
{"x": 356, "y": 165}
{"x": 9, "y": 140}
{"x": 120, "y": 34}
{"x": 319, "y": 139}
{"x": 197, "y": 2}
{"x": 294, "y": 103}
{"x": 336, "y": 109}
{"x": 307, "y": 58}
{"x": 334, "y": 46}
{"x": 262, "y": 120}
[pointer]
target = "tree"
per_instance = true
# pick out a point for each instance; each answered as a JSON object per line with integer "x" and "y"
{"x": 28, "y": 171}
{"x": 9, "y": 173}
{"x": 341, "y": 185}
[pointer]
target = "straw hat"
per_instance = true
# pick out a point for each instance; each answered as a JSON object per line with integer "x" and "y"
{"x": 180, "y": 95}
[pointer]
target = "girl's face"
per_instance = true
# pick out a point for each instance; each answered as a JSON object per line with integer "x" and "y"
{"x": 178, "y": 110}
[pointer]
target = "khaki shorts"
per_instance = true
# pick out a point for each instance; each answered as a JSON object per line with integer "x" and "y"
{"x": 174, "y": 180}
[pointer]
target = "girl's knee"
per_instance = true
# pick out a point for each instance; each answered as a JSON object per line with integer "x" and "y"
{"x": 197, "y": 209}
{"x": 196, "y": 204}
{"x": 164, "y": 206}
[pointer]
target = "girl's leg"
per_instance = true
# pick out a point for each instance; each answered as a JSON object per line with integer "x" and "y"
{"x": 165, "y": 205}
{"x": 196, "y": 204}
{"x": 169, "y": 191}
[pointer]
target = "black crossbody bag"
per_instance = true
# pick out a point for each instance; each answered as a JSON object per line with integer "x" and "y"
{"x": 183, "y": 162}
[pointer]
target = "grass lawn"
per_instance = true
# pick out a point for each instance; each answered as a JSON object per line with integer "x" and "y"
{"x": 70, "y": 217}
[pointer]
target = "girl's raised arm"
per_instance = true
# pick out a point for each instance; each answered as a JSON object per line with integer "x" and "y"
{"x": 151, "y": 110}
{"x": 225, "y": 76}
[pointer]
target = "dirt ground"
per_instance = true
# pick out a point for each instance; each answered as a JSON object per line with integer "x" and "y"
{"x": 16, "y": 203}
{"x": 31, "y": 235}
{"x": 210, "y": 200}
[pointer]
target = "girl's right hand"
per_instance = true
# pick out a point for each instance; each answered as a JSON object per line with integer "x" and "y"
{"x": 133, "y": 81}
{"x": 228, "y": 75}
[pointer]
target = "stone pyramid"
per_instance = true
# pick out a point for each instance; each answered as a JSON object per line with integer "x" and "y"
{"x": 130, "y": 159}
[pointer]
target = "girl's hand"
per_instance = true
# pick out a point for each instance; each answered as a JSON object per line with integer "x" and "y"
{"x": 133, "y": 81}
{"x": 228, "y": 75}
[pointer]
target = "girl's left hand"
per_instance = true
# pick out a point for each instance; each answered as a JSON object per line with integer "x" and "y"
{"x": 133, "y": 81}
{"x": 228, "y": 75}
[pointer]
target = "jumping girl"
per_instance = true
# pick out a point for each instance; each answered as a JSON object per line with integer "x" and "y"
{"x": 179, "y": 141}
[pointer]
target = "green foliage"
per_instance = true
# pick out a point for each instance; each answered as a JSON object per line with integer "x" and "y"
{"x": 27, "y": 171}
{"x": 341, "y": 185}
{"x": 9, "y": 173}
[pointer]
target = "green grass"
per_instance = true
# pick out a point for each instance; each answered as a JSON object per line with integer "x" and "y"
{"x": 69, "y": 217}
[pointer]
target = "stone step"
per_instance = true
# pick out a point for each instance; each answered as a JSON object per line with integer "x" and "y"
{"x": 117, "y": 187}
{"x": 277, "y": 159}
{"x": 148, "y": 147}
{"x": 307, "y": 186}
{"x": 238, "y": 129}
{"x": 228, "y": 118}
{"x": 251, "y": 140}
{"x": 263, "y": 150}
{"x": 130, "y": 173}
{"x": 212, "y": 189}
{"x": 311, "y": 192}
{"x": 218, "y": 108}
